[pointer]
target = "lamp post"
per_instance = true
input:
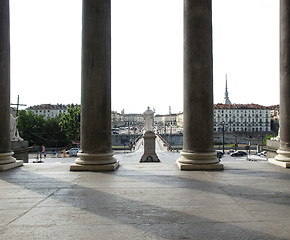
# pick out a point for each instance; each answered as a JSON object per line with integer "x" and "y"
{"x": 223, "y": 124}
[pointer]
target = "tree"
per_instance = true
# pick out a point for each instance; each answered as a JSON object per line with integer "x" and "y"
{"x": 31, "y": 127}
{"x": 53, "y": 134}
{"x": 70, "y": 123}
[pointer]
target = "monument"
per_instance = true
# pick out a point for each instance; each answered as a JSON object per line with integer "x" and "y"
{"x": 149, "y": 138}
{"x": 14, "y": 134}
{"x": 18, "y": 145}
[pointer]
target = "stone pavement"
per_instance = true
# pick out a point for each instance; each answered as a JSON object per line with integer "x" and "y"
{"x": 248, "y": 200}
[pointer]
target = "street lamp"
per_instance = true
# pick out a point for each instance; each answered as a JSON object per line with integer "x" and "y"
{"x": 223, "y": 130}
{"x": 223, "y": 124}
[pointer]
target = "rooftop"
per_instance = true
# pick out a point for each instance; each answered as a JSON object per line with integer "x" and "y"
{"x": 49, "y": 107}
{"x": 239, "y": 106}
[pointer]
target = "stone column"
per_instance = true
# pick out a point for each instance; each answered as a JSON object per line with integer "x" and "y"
{"x": 198, "y": 152}
{"x": 6, "y": 159}
{"x": 283, "y": 157}
{"x": 96, "y": 143}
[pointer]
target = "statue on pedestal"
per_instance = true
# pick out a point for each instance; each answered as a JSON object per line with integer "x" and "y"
{"x": 148, "y": 120}
{"x": 14, "y": 134}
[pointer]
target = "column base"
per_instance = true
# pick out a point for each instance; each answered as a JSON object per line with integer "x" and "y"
{"x": 95, "y": 162}
{"x": 17, "y": 163}
{"x": 8, "y": 162}
{"x": 282, "y": 159}
{"x": 199, "y": 161}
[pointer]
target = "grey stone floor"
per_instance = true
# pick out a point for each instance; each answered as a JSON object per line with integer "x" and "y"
{"x": 248, "y": 200}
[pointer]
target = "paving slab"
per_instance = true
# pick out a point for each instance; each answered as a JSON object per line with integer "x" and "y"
{"x": 247, "y": 200}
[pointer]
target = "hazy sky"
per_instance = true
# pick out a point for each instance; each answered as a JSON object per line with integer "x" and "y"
{"x": 147, "y": 52}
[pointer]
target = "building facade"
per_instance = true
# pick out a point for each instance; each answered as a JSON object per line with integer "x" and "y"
{"x": 238, "y": 118}
{"x": 165, "y": 120}
{"x": 117, "y": 119}
{"x": 48, "y": 110}
{"x": 242, "y": 118}
{"x": 179, "y": 120}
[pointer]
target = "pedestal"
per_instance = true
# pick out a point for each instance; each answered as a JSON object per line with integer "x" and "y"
{"x": 20, "y": 150}
{"x": 149, "y": 148}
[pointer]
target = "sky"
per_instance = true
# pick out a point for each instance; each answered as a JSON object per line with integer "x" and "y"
{"x": 147, "y": 52}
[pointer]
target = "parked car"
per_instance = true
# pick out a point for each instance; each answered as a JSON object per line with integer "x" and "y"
{"x": 238, "y": 154}
{"x": 73, "y": 152}
{"x": 231, "y": 151}
{"x": 264, "y": 153}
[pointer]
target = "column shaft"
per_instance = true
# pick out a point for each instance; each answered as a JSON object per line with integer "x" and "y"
{"x": 4, "y": 78}
{"x": 96, "y": 148}
{"x": 6, "y": 159}
{"x": 198, "y": 152}
{"x": 284, "y": 150}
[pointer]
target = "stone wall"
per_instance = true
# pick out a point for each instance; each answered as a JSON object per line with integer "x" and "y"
{"x": 271, "y": 148}
{"x": 230, "y": 137}
{"x": 241, "y": 137}
{"x": 121, "y": 139}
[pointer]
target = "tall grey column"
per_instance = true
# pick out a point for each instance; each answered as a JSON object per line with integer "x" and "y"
{"x": 198, "y": 152}
{"x": 6, "y": 159}
{"x": 96, "y": 144}
{"x": 283, "y": 157}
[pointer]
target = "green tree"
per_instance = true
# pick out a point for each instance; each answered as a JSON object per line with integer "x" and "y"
{"x": 31, "y": 127}
{"x": 53, "y": 134}
{"x": 70, "y": 123}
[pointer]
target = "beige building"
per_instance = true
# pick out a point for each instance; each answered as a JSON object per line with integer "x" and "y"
{"x": 117, "y": 119}
{"x": 167, "y": 119}
{"x": 48, "y": 110}
{"x": 242, "y": 118}
{"x": 179, "y": 120}
{"x": 274, "y": 110}
{"x": 238, "y": 118}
